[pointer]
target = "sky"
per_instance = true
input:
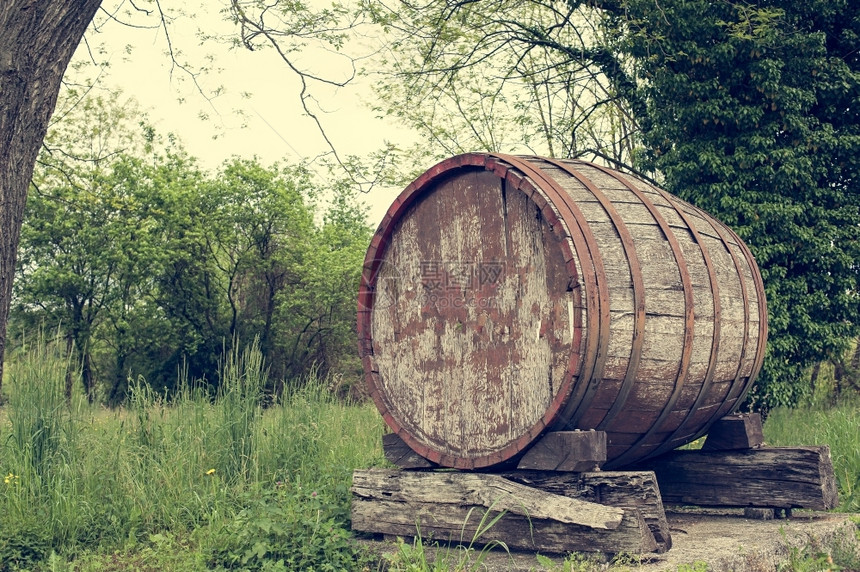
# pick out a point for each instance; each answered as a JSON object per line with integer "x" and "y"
{"x": 272, "y": 126}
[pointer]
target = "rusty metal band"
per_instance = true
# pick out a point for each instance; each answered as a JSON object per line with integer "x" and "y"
{"x": 739, "y": 390}
{"x": 689, "y": 322}
{"x": 705, "y": 388}
{"x": 762, "y": 313}
{"x": 721, "y": 230}
{"x": 521, "y": 179}
{"x": 597, "y": 292}
{"x": 367, "y": 294}
{"x": 638, "y": 288}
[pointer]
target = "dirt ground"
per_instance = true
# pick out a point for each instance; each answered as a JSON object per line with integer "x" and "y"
{"x": 724, "y": 539}
{"x": 728, "y": 541}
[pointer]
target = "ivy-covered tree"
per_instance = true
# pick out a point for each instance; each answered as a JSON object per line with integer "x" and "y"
{"x": 753, "y": 113}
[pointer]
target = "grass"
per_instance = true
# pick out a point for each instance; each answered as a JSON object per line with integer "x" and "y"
{"x": 467, "y": 555}
{"x": 838, "y": 427}
{"x": 186, "y": 483}
{"x": 192, "y": 481}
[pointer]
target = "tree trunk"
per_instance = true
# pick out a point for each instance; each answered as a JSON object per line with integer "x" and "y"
{"x": 87, "y": 376}
{"x": 838, "y": 377}
{"x": 70, "y": 377}
{"x": 813, "y": 378}
{"x": 119, "y": 389}
{"x": 854, "y": 369}
{"x": 37, "y": 40}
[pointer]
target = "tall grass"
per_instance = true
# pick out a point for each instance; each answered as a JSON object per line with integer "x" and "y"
{"x": 40, "y": 449}
{"x": 838, "y": 427}
{"x": 81, "y": 481}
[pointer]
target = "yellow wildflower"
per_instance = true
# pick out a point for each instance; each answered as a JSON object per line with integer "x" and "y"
{"x": 210, "y": 472}
{"x": 10, "y": 478}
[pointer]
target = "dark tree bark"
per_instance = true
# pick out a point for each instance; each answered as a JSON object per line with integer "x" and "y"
{"x": 37, "y": 40}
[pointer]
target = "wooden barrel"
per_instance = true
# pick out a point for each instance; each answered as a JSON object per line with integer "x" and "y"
{"x": 504, "y": 296}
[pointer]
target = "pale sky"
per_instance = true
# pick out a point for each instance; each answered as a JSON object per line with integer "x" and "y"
{"x": 276, "y": 128}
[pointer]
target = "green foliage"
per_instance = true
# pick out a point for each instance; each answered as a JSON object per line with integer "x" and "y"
{"x": 697, "y": 566}
{"x": 316, "y": 320}
{"x": 148, "y": 265}
{"x": 240, "y": 392}
{"x": 838, "y": 553}
{"x": 575, "y": 562}
{"x": 40, "y": 419}
{"x": 212, "y": 477}
{"x": 749, "y": 115}
{"x": 23, "y": 544}
{"x": 159, "y": 551}
{"x": 287, "y": 527}
{"x": 258, "y": 235}
{"x": 580, "y": 562}
{"x": 835, "y": 427}
{"x": 461, "y": 555}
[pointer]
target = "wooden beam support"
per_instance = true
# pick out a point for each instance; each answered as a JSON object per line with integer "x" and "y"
{"x": 575, "y": 451}
{"x": 399, "y": 453}
{"x": 457, "y": 507}
{"x": 768, "y": 477}
{"x": 741, "y": 431}
{"x": 625, "y": 489}
{"x": 486, "y": 490}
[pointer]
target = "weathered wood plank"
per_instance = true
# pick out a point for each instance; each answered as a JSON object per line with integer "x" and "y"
{"x": 741, "y": 431}
{"x": 624, "y": 489}
{"x": 461, "y": 524}
{"x": 784, "y": 477}
{"x": 476, "y": 332}
{"x": 449, "y": 518}
{"x": 566, "y": 451}
{"x": 482, "y": 489}
{"x": 400, "y": 454}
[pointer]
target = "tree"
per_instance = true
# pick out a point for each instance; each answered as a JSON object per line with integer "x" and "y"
{"x": 37, "y": 41}
{"x": 283, "y": 277}
{"x": 316, "y": 318}
{"x": 533, "y": 76}
{"x": 753, "y": 113}
{"x": 95, "y": 232}
{"x": 258, "y": 237}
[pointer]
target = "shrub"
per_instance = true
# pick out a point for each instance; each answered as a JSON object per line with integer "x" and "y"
{"x": 290, "y": 527}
